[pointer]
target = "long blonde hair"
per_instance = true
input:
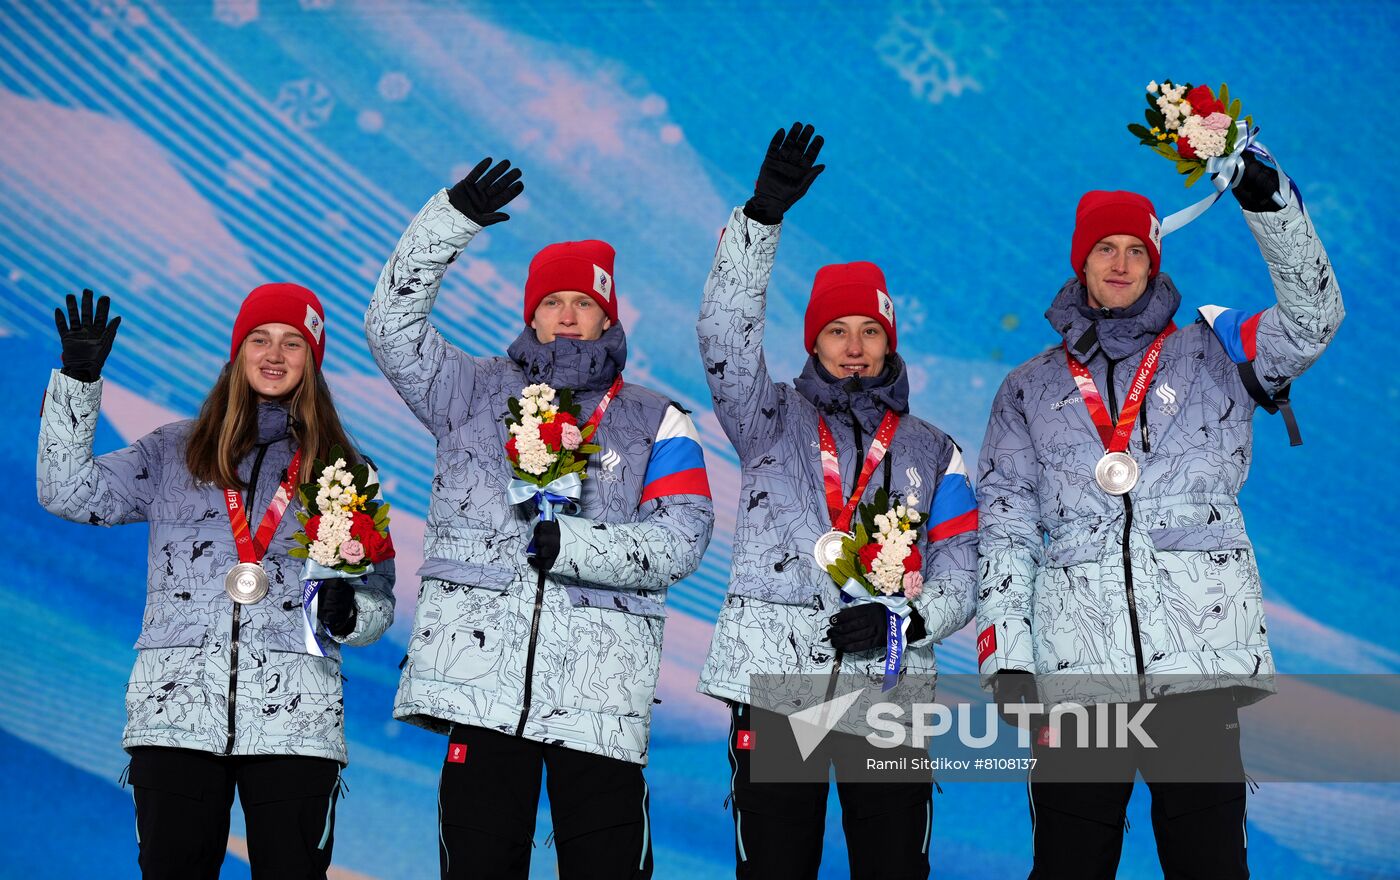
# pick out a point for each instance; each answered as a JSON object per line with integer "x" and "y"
{"x": 227, "y": 427}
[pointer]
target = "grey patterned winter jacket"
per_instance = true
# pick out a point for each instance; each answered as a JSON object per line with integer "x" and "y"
{"x": 776, "y": 615}
{"x": 572, "y": 659}
{"x": 195, "y": 684}
{"x": 1056, "y": 595}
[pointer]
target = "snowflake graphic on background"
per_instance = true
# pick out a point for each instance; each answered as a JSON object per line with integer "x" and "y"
{"x": 235, "y": 13}
{"x": 304, "y": 103}
{"x": 925, "y": 45}
{"x": 394, "y": 86}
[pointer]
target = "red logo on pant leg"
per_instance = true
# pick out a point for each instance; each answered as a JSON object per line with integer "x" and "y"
{"x": 744, "y": 740}
{"x": 986, "y": 643}
{"x": 456, "y": 753}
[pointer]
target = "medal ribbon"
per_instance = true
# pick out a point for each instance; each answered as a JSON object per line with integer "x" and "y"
{"x": 602, "y": 407}
{"x": 1115, "y": 438}
{"x": 251, "y": 548}
{"x": 831, "y": 468}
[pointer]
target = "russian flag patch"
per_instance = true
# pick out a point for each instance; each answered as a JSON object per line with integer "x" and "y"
{"x": 954, "y": 506}
{"x": 677, "y": 465}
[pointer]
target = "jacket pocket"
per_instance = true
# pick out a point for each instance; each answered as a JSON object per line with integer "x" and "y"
{"x": 614, "y": 658}
{"x": 626, "y": 601}
{"x": 470, "y": 574}
{"x": 301, "y": 698}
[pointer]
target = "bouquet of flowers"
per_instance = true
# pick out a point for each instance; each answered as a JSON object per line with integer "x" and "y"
{"x": 883, "y": 557}
{"x": 547, "y": 449}
{"x": 344, "y": 525}
{"x": 881, "y": 563}
{"x": 344, "y": 532}
{"x": 1190, "y": 125}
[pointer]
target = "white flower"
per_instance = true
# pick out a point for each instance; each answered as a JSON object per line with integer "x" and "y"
{"x": 1152, "y": 87}
{"x": 529, "y": 407}
{"x": 912, "y": 500}
{"x": 322, "y": 553}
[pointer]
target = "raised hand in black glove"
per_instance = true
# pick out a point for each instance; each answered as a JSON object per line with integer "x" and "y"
{"x": 1013, "y": 686}
{"x": 1256, "y": 189}
{"x": 335, "y": 606}
{"x": 785, "y": 175}
{"x": 546, "y": 545}
{"x": 485, "y": 190}
{"x": 87, "y": 337}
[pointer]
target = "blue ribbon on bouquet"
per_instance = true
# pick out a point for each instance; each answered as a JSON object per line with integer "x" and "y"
{"x": 896, "y": 625}
{"x": 313, "y": 579}
{"x": 1226, "y": 172}
{"x": 549, "y": 499}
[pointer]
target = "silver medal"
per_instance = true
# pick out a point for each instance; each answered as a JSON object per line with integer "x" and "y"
{"x": 1116, "y": 473}
{"x": 828, "y": 548}
{"x": 246, "y": 583}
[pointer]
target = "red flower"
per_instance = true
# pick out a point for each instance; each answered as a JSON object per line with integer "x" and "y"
{"x": 564, "y": 418}
{"x": 549, "y": 433}
{"x": 915, "y": 560}
{"x": 312, "y": 526}
{"x": 1184, "y": 148}
{"x": 868, "y": 554}
{"x": 511, "y": 452}
{"x": 377, "y": 547}
{"x": 1203, "y": 101}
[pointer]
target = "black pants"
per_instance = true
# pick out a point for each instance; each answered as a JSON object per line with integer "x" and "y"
{"x": 183, "y": 799}
{"x": 1077, "y": 826}
{"x": 490, "y": 792}
{"x": 778, "y": 826}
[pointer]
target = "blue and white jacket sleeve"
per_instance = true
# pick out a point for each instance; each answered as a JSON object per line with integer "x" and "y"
{"x": 673, "y": 526}
{"x": 1286, "y": 338}
{"x": 374, "y": 599}
{"x": 948, "y": 598}
{"x": 432, "y": 376}
{"x": 731, "y": 336}
{"x": 105, "y": 491}
{"x": 1010, "y": 548}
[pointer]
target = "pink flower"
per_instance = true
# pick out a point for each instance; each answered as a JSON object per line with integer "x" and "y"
{"x": 352, "y": 551}
{"x": 570, "y": 437}
{"x": 1216, "y": 122}
{"x": 913, "y": 584}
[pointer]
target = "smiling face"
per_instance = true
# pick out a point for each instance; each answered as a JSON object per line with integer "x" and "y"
{"x": 569, "y": 314}
{"x": 1116, "y": 271}
{"x": 853, "y": 346}
{"x": 274, "y": 360}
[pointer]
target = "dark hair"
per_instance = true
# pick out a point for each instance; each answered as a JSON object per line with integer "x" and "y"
{"x": 227, "y": 426}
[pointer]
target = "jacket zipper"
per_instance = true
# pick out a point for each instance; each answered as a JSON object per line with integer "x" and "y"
{"x": 238, "y": 607}
{"x": 530, "y": 655}
{"x": 1127, "y": 553}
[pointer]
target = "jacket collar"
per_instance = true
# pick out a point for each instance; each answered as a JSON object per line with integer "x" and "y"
{"x": 274, "y": 421}
{"x": 580, "y": 364}
{"x": 864, "y": 400}
{"x": 1119, "y": 333}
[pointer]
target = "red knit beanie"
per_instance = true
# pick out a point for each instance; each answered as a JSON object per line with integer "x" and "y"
{"x": 282, "y": 304}
{"x": 585, "y": 266}
{"x": 849, "y": 289}
{"x": 1102, "y": 213}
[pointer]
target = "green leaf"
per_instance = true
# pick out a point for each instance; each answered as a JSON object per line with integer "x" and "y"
{"x": 835, "y": 575}
{"x": 1141, "y": 132}
{"x": 514, "y": 406}
{"x": 300, "y": 538}
{"x": 1155, "y": 119}
{"x": 297, "y": 553}
{"x": 1234, "y": 109}
{"x": 862, "y": 534}
{"x": 1151, "y": 100}
{"x": 589, "y": 449}
{"x": 1167, "y": 151}
{"x": 1230, "y": 137}
{"x": 337, "y": 453}
{"x": 302, "y": 517}
{"x": 353, "y": 569}
{"x": 1186, "y": 166}
{"x": 360, "y": 474}
{"x": 1195, "y": 175}
{"x": 1223, "y": 93}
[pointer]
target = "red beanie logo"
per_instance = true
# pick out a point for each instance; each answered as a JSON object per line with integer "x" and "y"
{"x": 602, "y": 283}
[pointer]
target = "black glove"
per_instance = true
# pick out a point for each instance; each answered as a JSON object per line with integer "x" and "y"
{"x": 1014, "y": 686}
{"x": 1256, "y": 188}
{"x": 482, "y": 194}
{"x": 786, "y": 173}
{"x": 87, "y": 338}
{"x": 546, "y": 545}
{"x": 335, "y": 606}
